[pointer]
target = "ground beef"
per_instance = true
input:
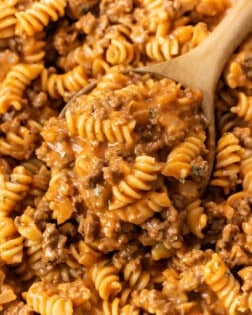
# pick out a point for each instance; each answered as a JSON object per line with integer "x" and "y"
{"x": 199, "y": 169}
{"x": 188, "y": 259}
{"x": 244, "y": 135}
{"x": 68, "y": 229}
{"x": 7, "y": 60}
{"x": 41, "y": 214}
{"x": 76, "y": 8}
{"x": 37, "y": 100}
{"x": 150, "y": 147}
{"x": 153, "y": 301}
{"x": 166, "y": 228}
{"x": 242, "y": 210}
{"x": 61, "y": 154}
{"x": 89, "y": 227}
{"x": 107, "y": 245}
{"x": 53, "y": 245}
{"x": 18, "y": 308}
{"x": 120, "y": 237}
{"x": 65, "y": 39}
{"x": 116, "y": 169}
{"x": 247, "y": 65}
{"x": 86, "y": 24}
{"x": 115, "y": 10}
{"x": 126, "y": 254}
{"x": 91, "y": 175}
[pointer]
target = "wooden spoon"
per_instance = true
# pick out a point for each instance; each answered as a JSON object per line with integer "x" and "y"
{"x": 202, "y": 66}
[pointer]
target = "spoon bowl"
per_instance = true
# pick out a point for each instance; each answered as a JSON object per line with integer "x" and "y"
{"x": 202, "y": 66}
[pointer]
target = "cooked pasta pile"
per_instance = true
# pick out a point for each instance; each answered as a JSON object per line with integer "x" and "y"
{"x": 101, "y": 211}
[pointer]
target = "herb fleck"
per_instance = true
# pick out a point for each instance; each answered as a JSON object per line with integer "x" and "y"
{"x": 152, "y": 113}
{"x": 96, "y": 191}
{"x": 4, "y": 198}
{"x": 181, "y": 180}
{"x": 84, "y": 9}
{"x": 195, "y": 170}
{"x": 227, "y": 273}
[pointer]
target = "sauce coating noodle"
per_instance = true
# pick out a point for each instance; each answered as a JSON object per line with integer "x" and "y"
{"x": 100, "y": 210}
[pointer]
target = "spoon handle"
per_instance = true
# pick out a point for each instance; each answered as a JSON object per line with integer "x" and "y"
{"x": 201, "y": 67}
{"x": 226, "y": 37}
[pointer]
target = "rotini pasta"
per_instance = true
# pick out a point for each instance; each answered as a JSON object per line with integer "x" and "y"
{"x": 111, "y": 130}
{"x": 47, "y": 305}
{"x": 196, "y": 218}
{"x": 14, "y": 189}
{"x": 144, "y": 209}
{"x": 246, "y": 170}
{"x": 33, "y": 51}
{"x": 63, "y": 85}
{"x": 26, "y": 226}
{"x": 161, "y": 49}
{"x": 244, "y": 107}
{"x": 143, "y": 174}
{"x": 34, "y": 19}
{"x": 84, "y": 254}
{"x": 7, "y": 19}
{"x": 120, "y": 51}
{"x": 101, "y": 207}
{"x": 11, "y": 244}
{"x": 17, "y": 143}
{"x": 40, "y": 175}
{"x": 15, "y": 83}
{"x": 227, "y": 162}
{"x": 106, "y": 279}
{"x": 223, "y": 283}
{"x": 179, "y": 160}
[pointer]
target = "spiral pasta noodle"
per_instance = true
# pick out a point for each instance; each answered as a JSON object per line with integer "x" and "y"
{"x": 11, "y": 244}
{"x": 17, "y": 143}
{"x": 91, "y": 128}
{"x": 179, "y": 160}
{"x": 161, "y": 49}
{"x": 7, "y": 19}
{"x": 120, "y": 51}
{"x": 15, "y": 83}
{"x": 235, "y": 73}
{"x": 33, "y": 51}
{"x": 223, "y": 283}
{"x": 246, "y": 170}
{"x": 137, "y": 278}
{"x": 44, "y": 304}
{"x": 227, "y": 122}
{"x": 63, "y": 85}
{"x": 26, "y": 226}
{"x": 227, "y": 162}
{"x": 151, "y": 203}
{"x": 60, "y": 273}
{"x": 84, "y": 254}
{"x": 40, "y": 178}
{"x": 106, "y": 280}
{"x": 13, "y": 190}
{"x": 196, "y": 218}
{"x": 34, "y": 19}
{"x": 244, "y": 107}
{"x": 130, "y": 189}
